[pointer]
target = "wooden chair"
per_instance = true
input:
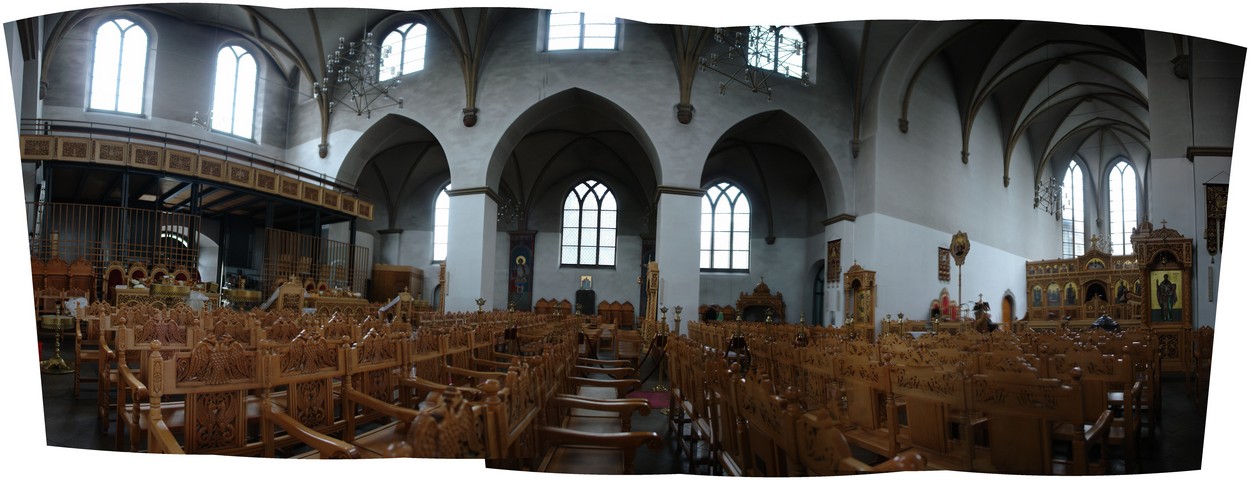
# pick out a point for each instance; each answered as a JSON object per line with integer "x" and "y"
{"x": 629, "y": 346}
{"x": 114, "y": 275}
{"x": 181, "y": 274}
{"x": 689, "y": 421}
{"x": 1199, "y": 374}
{"x": 1023, "y": 414}
{"x": 373, "y": 406}
{"x": 300, "y": 401}
{"x": 82, "y": 277}
{"x": 1105, "y": 379}
{"x": 819, "y": 448}
{"x": 215, "y": 383}
{"x": 56, "y": 275}
{"x": 132, "y": 388}
{"x": 869, "y": 415}
{"x": 590, "y": 432}
{"x": 37, "y": 273}
{"x": 138, "y": 271}
{"x": 938, "y": 421}
{"x": 87, "y": 342}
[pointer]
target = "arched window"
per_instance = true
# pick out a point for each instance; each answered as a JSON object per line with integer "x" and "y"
{"x": 234, "y": 92}
{"x": 725, "y": 239}
{"x": 779, "y": 49}
{"x": 119, "y": 68}
{"x": 442, "y": 213}
{"x": 589, "y": 233}
{"x": 404, "y": 51}
{"x": 1073, "y": 212}
{"x": 1122, "y": 188}
{"x": 580, "y": 31}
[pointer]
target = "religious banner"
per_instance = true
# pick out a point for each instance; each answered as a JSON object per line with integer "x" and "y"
{"x": 959, "y": 247}
{"x": 1217, "y": 208}
{"x": 944, "y": 264}
{"x": 833, "y": 269}
{"x": 521, "y": 271}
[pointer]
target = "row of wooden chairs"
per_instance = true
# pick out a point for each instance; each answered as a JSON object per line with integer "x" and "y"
{"x": 741, "y": 423}
{"x": 857, "y": 384}
{"x": 408, "y": 392}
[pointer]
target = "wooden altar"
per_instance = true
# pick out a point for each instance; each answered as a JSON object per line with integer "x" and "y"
{"x": 754, "y": 307}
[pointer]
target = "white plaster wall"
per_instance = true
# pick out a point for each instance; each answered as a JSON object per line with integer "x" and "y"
{"x": 920, "y": 177}
{"x": 905, "y": 258}
{"x": 783, "y": 266}
{"x": 618, "y": 283}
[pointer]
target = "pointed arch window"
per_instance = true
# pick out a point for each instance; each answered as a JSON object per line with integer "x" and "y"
{"x": 1122, "y": 190}
{"x": 725, "y": 231}
{"x": 581, "y": 31}
{"x": 119, "y": 67}
{"x": 234, "y": 92}
{"x": 1073, "y": 211}
{"x": 404, "y": 50}
{"x": 442, "y": 217}
{"x": 588, "y": 236}
{"x": 779, "y": 49}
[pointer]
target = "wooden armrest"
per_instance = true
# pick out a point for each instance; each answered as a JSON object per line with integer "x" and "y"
{"x": 906, "y": 461}
{"x": 482, "y": 362}
{"x": 160, "y": 438}
{"x": 610, "y": 363}
{"x": 326, "y": 446}
{"x": 621, "y": 440}
{"x": 622, "y": 386}
{"x": 426, "y": 386}
{"x": 607, "y": 405}
{"x": 398, "y": 412}
{"x": 126, "y": 377}
{"x": 476, "y": 374}
{"x": 611, "y": 372}
{"x": 1101, "y": 427}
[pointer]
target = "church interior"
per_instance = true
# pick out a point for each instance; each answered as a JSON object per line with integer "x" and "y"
{"x": 552, "y": 240}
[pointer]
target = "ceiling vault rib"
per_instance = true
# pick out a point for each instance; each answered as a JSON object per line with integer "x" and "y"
{"x": 857, "y": 114}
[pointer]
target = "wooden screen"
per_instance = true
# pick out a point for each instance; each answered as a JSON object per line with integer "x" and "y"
{"x": 103, "y": 234}
{"x": 339, "y": 264}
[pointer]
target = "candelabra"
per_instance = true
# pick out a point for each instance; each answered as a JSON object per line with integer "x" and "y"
{"x": 206, "y": 124}
{"x": 1046, "y": 195}
{"x": 753, "y": 56}
{"x": 354, "y": 66}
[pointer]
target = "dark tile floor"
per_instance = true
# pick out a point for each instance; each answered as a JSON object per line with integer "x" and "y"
{"x": 1177, "y": 445}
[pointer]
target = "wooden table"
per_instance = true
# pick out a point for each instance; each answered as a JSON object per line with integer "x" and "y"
{"x": 57, "y": 323}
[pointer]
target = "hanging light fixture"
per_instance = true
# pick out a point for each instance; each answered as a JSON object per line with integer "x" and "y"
{"x": 1047, "y": 196}
{"x": 754, "y": 55}
{"x": 352, "y": 77}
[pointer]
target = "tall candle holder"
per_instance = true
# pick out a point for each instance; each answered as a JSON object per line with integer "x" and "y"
{"x": 677, "y": 320}
{"x": 661, "y": 340}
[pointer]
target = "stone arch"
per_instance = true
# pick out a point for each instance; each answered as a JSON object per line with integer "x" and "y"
{"x": 555, "y": 104}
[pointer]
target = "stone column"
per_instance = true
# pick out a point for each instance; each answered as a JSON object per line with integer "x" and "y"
{"x": 471, "y": 250}
{"x": 677, "y": 248}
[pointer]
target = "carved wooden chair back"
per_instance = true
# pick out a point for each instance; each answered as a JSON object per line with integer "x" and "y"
{"x": 216, "y": 381}
{"x": 300, "y": 379}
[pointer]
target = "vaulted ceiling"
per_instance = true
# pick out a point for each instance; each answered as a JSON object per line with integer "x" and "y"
{"x": 1052, "y": 87}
